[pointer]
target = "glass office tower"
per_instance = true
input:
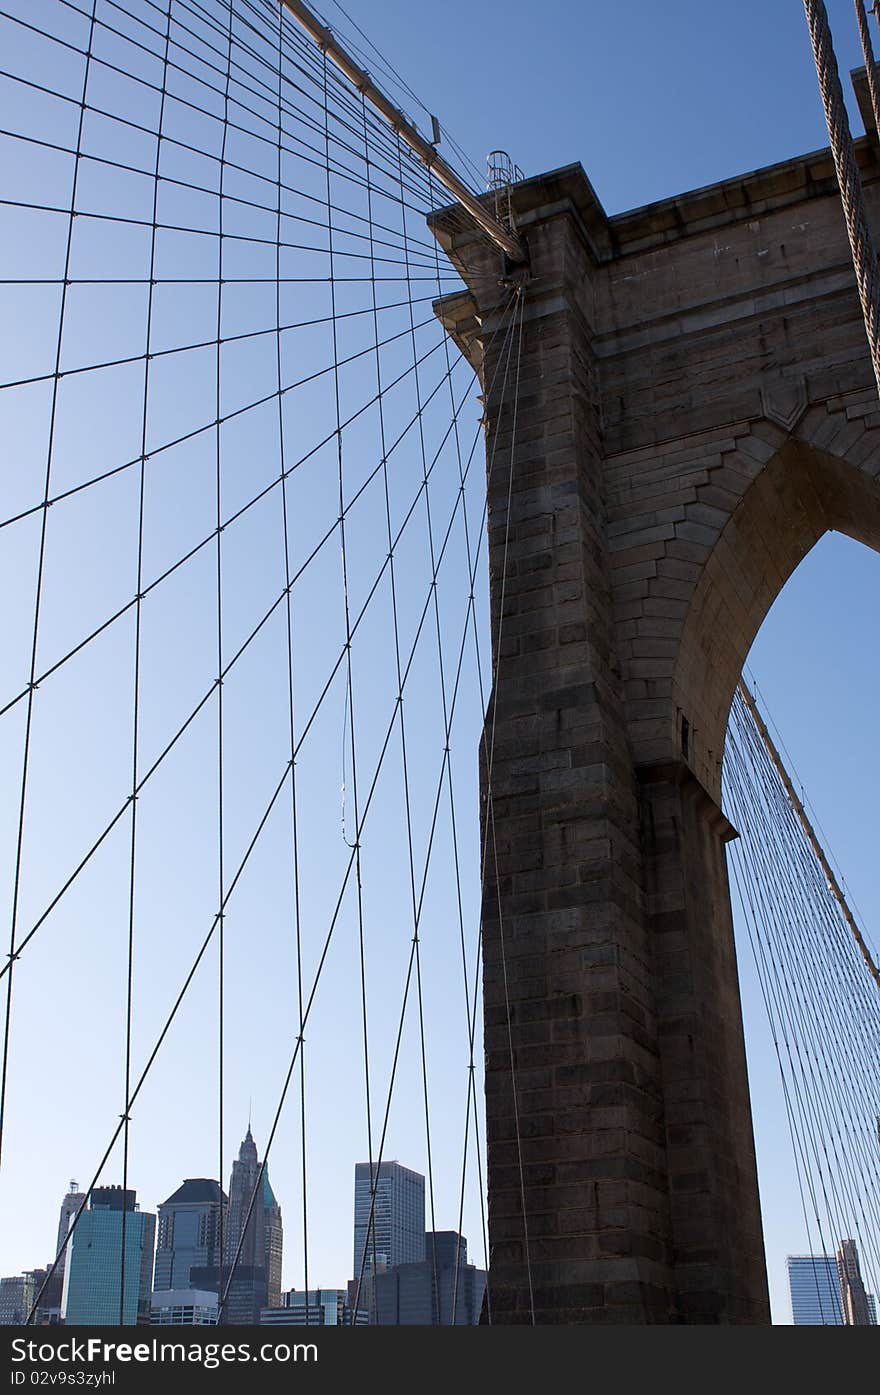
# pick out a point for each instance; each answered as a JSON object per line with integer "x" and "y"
{"x": 94, "y": 1277}
{"x": 188, "y": 1232}
{"x": 815, "y": 1291}
{"x": 397, "y": 1233}
{"x": 829, "y": 1292}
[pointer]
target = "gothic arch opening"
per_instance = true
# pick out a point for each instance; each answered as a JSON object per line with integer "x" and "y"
{"x": 799, "y": 495}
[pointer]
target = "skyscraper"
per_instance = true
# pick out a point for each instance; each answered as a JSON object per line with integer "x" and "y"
{"x": 854, "y": 1300}
{"x": 397, "y": 1233}
{"x": 829, "y": 1292}
{"x": 440, "y": 1290}
{"x": 69, "y": 1207}
{"x": 254, "y": 1246}
{"x": 188, "y": 1232}
{"x": 458, "y": 1286}
{"x": 50, "y": 1301}
{"x": 17, "y": 1294}
{"x": 94, "y": 1279}
{"x": 815, "y": 1291}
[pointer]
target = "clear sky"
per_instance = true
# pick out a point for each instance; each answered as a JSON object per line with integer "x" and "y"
{"x": 652, "y": 100}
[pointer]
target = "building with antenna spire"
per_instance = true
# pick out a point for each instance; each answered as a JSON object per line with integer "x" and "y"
{"x": 69, "y": 1207}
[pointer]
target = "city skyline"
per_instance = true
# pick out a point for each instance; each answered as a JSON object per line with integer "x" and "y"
{"x": 825, "y": 1290}
{"x": 172, "y": 1273}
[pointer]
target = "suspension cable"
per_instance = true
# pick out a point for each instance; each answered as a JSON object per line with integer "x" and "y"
{"x": 803, "y": 819}
{"x": 849, "y": 181}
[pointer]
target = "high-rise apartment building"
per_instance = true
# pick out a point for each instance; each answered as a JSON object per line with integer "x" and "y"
{"x": 95, "y": 1279}
{"x": 188, "y": 1232}
{"x": 389, "y": 1230}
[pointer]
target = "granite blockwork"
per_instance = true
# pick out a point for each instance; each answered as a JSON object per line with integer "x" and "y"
{"x": 696, "y": 408}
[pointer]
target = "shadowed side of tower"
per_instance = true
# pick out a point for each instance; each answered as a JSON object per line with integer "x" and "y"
{"x": 566, "y": 952}
{"x": 686, "y": 373}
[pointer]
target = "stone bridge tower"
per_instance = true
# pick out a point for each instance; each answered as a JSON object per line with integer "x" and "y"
{"x": 696, "y": 408}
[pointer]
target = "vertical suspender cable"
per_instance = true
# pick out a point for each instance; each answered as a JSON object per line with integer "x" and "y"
{"x": 833, "y": 884}
{"x": 218, "y": 498}
{"x": 442, "y": 678}
{"x": 136, "y": 686}
{"x": 288, "y": 572}
{"x": 14, "y": 947}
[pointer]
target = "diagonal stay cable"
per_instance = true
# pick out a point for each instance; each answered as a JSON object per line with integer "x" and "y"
{"x": 490, "y": 829}
{"x": 14, "y": 948}
{"x": 231, "y": 416}
{"x": 383, "y": 141}
{"x": 136, "y": 684}
{"x": 832, "y": 973}
{"x": 826, "y": 1060}
{"x": 382, "y": 138}
{"x": 305, "y": 119}
{"x": 398, "y": 709}
{"x": 205, "y": 541}
{"x": 231, "y": 888}
{"x": 130, "y": 220}
{"x": 786, "y": 910}
{"x": 737, "y": 775}
{"x": 200, "y": 705}
{"x": 470, "y": 1006}
{"x": 802, "y": 1172}
{"x": 190, "y": 348}
{"x": 200, "y": 110}
{"x": 441, "y": 675}
{"x": 350, "y": 710}
{"x": 303, "y": 59}
{"x": 385, "y": 66}
{"x": 503, "y": 356}
{"x": 344, "y": 171}
{"x": 338, "y": 905}
{"x": 470, "y": 1011}
{"x": 291, "y": 705}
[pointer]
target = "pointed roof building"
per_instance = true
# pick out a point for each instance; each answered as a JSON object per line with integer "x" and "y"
{"x": 253, "y": 1244}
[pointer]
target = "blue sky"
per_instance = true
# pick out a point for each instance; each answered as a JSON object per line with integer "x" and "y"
{"x": 652, "y": 101}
